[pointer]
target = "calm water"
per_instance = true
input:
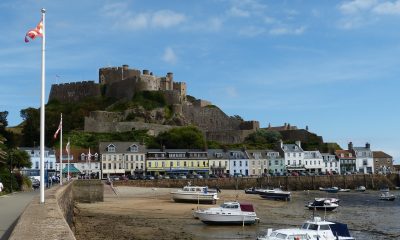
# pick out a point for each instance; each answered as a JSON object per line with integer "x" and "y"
{"x": 366, "y": 216}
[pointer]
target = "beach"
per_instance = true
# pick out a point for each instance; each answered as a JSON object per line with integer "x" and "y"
{"x": 149, "y": 213}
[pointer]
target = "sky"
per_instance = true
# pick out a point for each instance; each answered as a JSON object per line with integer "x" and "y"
{"x": 330, "y": 65}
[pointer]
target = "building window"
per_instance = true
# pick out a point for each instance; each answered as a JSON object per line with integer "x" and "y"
{"x": 240, "y": 163}
{"x": 234, "y": 163}
{"x": 109, "y": 166}
{"x": 276, "y": 162}
{"x": 104, "y": 166}
{"x": 111, "y": 148}
{"x": 134, "y": 148}
{"x": 184, "y": 163}
{"x": 288, "y": 162}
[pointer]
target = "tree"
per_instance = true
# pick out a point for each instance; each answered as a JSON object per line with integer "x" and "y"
{"x": 18, "y": 159}
{"x": 31, "y": 127}
{"x": 185, "y": 137}
{"x": 263, "y": 136}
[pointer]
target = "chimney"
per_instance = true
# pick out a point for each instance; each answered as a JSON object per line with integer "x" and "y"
{"x": 125, "y": 67}
{"x": 367, "y": 146}
{"x": 298, "y": 143}
{"x": 145, "y": 72}
{"x": 350, "y": 146}
{"x": 163, "y": 148}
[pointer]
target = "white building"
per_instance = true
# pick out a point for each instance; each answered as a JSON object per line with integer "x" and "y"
{"x": 313, "y": 161}
{"x": 364, "y": 158}
{"x": 34, "y": 156}
{"x": 294, "y": 156}
{"x": 218, "y": 162}
{"x": 331, "y": 163}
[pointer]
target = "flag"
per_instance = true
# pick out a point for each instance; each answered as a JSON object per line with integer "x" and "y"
{"x": 89, "y": 155}
{"x": 58, "y": 129}
{"x": 33, "y": 33}
{"x": 67, "y": 147}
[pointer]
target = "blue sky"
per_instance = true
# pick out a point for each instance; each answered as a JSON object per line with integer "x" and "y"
{"x": 329, "y": 65}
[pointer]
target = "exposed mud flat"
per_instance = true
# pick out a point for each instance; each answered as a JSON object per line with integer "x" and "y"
{"x": 149, "y": 213}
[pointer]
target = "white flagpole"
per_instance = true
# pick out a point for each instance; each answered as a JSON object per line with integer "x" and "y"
{"x": 90, "y": 169}
{"x": 61, "y": 153}
{"x": 42, "y": 183}
{"x": 69, "y": 148}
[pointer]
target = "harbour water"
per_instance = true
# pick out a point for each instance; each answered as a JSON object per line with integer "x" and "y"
{"x": 367, "y": 217}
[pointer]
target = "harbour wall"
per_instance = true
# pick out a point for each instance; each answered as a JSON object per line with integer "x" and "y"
{"x": 292, "y": 183}
{"x": 54, "y": 218}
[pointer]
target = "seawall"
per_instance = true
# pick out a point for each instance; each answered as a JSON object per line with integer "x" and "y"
{"x": 292, "y": 183}
{"x": 54, "y": 218}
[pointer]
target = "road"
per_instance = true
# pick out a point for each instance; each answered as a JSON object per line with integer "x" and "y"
{"x": 11, "y": 207}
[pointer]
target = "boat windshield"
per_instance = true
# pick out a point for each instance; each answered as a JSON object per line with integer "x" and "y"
{"x": 304, "y": 226}
{"x": 224, "y": 205}
{"x": 278, "y": 235}
{"x": 313, "y": 227}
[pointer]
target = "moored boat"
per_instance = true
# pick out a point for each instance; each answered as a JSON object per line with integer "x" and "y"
{"x": 344, "y": 190}
{"x": 311, "y": 230}
{"x": 387, "y": 196}
{"x": 197, "y": 194}
{"x": 332, "y": 200}
{"x": 277, "y": 194}
{"x": 229, "y": 213}
{"x": 322, "y": 204}
{"x": 254, "y": 190}
{"x": 361, "y": 189}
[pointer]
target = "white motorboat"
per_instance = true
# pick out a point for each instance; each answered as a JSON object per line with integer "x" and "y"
{"x": 322, "y": 204}
{"x": 387, "y": 196}
{"x": 361, "y": 189}
{"x": 311, "y": 230}
{"x": 196, "y": 194}
{"x": 332, "y": 200}
{"x": 344, "y": 190}
{"x": 228, "y": 213}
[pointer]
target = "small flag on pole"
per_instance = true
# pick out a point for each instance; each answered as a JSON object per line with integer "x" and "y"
{"x": 58, "y": 129}
{"x": 67, "y": 147}
{"x": 36, "y": 32}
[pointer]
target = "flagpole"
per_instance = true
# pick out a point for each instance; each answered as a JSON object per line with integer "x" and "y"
{"x": 61, "y": 168}
{"x": 69, "y": 147}
{"x": 42, "y": 120}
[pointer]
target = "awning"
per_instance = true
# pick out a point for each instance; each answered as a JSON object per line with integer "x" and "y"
{"x": 72, "y": 169}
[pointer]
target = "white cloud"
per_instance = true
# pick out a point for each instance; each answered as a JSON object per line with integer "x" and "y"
{"x": 231, "y": 91}
{"x": 166, "y": 18}
{"x": 387, "y": 8}
{"x": 287, "y": 31}
{"x": 251, "y": 31}
{"x": 169, "y": 56}
{"x": 356, "y": 6}
{"x": 137, "y": 22}
{"x": 125, "y": 18}
{"x": 237, "y": 12}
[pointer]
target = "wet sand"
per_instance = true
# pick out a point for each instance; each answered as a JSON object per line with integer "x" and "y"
{"x": 149, "y": 213}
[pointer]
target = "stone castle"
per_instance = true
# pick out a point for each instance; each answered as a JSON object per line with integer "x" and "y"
{"x": 122, "y": 83}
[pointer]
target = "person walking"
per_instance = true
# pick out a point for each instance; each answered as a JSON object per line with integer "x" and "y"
{"x": 1, "y": 186}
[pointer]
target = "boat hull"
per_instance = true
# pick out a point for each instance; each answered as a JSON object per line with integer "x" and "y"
{"x": 275, "y": 196}
{"x": 323, "y": 208}
{"x": 219, "y": 219}
{"x": 207, "y": 198}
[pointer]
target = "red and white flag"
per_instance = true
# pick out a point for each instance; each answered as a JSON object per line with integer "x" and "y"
{"x": 58, "y": 129}
{"x": 36, "y": 32}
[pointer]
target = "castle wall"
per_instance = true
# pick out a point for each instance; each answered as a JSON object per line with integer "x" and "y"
{"x": 209, "y": 118}
{"x": 105, "y": 122}
{"x": 123, "y": 89}
{"x": 228, "y": 137}
{"x": 74, "y": 92}
{"x": 111, "y": 75}
{"x": 250, "y": 125}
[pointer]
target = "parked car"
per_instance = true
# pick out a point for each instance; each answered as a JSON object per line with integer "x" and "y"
{"x": 166, "y": 177}
{"x": 172, "y": 176}
{"x": 149, "y": 177}
{"x": 182, "y": 177}
{"x": 132, "y": 177}
{"x": 198, "y": 176}
{"x": 213, "y": 176}
{"x": 141, "y": 177}
{"x": 123, "y": 178}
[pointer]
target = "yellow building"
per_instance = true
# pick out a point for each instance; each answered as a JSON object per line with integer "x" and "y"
{"x": 176, "y": 162}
